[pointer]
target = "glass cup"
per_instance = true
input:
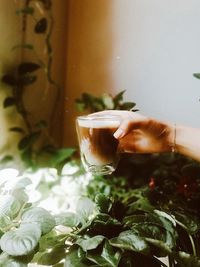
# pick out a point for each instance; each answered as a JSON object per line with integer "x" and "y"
{"x": 98, "y": 147}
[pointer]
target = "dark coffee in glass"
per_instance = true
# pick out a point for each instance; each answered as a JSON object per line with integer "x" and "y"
{"x": 98, "y": 146}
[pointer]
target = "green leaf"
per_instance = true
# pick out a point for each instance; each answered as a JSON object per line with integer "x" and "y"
{"x": 9, "y": 101}
{"x": 39, "y": 216}
{"x": 27, "y": 67}
{"x": 61, "y": 264}
{"x": 189, "y": 223}
{"x": 74, "y": 260}
{"x": 80, "y": 106}
{"x": 128, "y": 240}
{"x": 25, "y": 46}
{"x": 90, "y": 243}
{"x": 162, "y": 246}
{"x": 61, "y": 155}
{"x": 9, "y": 80}
{"x": 27, "y": 80}
{"x": 26, "y": 157}
{"x": 9, "y": 207}
{"x": 21, "y": 241}
{"x": 22, "y": 183}
{"x": 41, "y": 26}
{"x": 187, "y": 260}
{"x": 109, "y": 257}
{"x": 127, "y": 106}
{"x": 85, "y": 208}
{"x": 108, "y": 101}
{"x": 6, "y": 159}
{"x": 28, "y": 140}
{"x": 8, "y": 261}
{"x": 196, "y": 75}
{"x": 26, "y": 10}
{"x": 55, "y": 255}
{"x": 68, "y": 219}
{"x": 141, "y": 204}
{"x": 157, "y": 228}
{"x": 51, "y": 240}
{"x": 119, "y": 97}
{"x": 20, "y": 195}
{"x": 103, "y": 203}
{"x": 16, "y": 129}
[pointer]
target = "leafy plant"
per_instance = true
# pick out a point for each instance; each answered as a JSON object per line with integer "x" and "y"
{"x": 21, "y": 225}
{"x": 106, "y": 101}
{"x": 148, "y": 209}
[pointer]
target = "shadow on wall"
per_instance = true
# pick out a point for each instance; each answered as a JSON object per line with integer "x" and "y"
{"x": 89, "y": 56}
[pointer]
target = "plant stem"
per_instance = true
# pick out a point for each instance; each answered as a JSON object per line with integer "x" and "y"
{"x": 190, "y": 237}
{"x": 171, "y": 261}
{"x": 193, "y": 245}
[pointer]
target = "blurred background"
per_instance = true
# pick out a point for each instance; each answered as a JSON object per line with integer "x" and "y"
{"x": 148, "y": 48}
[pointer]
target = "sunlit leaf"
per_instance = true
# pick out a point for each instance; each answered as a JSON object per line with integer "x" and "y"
{"x": 69, "y": 219}
{"x": 41, "y": 217}
{"x": 61, "y": 155}
{"x": 108, "y": 101}
{"x": 128, "y": 240}
{"x": 85, "y": 208}
{"x": 8, "y": 261}
{"x": 52, "y": 256}
{"x": 9, "y": 207}
{"x": 21, "y": 241}
{"x": 6, "y": 159}
{"x": 90, "y": 243}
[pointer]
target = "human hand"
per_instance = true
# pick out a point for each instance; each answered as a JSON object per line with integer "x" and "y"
{"x": 140, "y": 134}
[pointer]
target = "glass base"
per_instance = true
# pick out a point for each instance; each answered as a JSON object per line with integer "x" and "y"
{"x": 101, "y": 170}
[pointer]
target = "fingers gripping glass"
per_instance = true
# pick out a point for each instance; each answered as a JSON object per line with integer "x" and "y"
{"x": 98, "y": 147}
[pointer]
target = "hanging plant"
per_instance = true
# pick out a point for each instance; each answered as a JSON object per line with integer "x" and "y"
{"x": 33, "y": 151}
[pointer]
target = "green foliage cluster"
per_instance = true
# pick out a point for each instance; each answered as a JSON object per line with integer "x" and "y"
{"x": 106, "y": 101}
{"x": 149, "y": 208}
{"x": 119, "y": 226}
{"x": 21, "y": 225}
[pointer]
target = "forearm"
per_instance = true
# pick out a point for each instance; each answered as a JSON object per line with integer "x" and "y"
{"x": 188, "y": 141}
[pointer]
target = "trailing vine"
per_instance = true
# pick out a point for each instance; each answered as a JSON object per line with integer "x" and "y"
{"x": 24, "y": 74}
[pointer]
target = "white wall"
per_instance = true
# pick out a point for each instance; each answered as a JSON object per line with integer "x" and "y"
{"x": 158, "y": 43}
{"x": 151, "y": 48}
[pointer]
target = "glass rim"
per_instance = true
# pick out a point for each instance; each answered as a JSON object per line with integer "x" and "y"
{"x": 98, "y": 117}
